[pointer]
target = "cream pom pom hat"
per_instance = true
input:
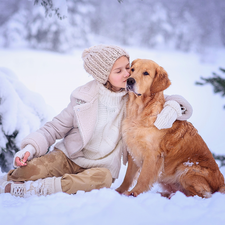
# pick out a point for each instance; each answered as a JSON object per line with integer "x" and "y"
{"x": 99, "y": 60}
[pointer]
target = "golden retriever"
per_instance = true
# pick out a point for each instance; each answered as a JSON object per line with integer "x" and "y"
{"x": 177, "y": 158}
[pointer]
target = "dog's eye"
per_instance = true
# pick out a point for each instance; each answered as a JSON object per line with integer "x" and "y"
{"x": 146, "y": 73}
{"x": 132, "y": 69}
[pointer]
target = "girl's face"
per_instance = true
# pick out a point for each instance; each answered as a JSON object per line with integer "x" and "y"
{"x": 119, "y": 73}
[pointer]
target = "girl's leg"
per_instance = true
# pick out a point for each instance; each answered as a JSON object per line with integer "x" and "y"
{"x": 60, "y": 173}
{"x": 89, "y": 179}
{"x": 53, "y": 164}
{"x": 42, "y": 175}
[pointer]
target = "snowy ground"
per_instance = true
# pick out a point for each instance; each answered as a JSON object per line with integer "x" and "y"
{"x": 54, "y": 76}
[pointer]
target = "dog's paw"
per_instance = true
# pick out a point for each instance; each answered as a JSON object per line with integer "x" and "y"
{"x": 120, "y": 190}
{"x": 131, "y": 193}
{"x": 168, "y": 195}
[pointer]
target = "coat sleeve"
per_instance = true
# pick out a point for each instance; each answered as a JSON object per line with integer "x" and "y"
{"x": 186, "y": 107}
{"x": 46, "y": 136}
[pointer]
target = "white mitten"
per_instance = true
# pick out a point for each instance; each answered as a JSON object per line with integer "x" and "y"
{"x": 165, "y": 119}
{"x": 186, "y": 107}
{"x": 21, "y": 153}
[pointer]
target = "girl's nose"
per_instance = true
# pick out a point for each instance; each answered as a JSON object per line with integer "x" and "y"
{"x": 127, "y": 74}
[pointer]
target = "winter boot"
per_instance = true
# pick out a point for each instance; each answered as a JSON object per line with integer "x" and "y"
{"x": 18, "y": 188}
{"x": 39, "y": 187}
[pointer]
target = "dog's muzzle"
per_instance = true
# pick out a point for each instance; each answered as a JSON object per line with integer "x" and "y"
{"x": 130, "y": 85}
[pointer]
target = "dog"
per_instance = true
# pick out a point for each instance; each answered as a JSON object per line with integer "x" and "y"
{"x": 177, "y": 158}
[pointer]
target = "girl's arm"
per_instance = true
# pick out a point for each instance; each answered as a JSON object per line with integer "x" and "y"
{"x": 175, "y": 108}
{"x": 186, "y": 108}
{"x": 46, "y": 136}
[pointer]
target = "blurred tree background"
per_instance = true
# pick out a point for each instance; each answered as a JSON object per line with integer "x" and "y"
{"x": 61, "y": 25}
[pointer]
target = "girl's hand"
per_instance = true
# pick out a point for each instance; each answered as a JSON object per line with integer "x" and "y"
{"x": 24, "y": 155}
{"x": 169, "y": 114}
{"x": 22, "y": 162}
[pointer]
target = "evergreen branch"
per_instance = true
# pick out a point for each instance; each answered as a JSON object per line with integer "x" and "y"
{"x": 220, "y": 158}
{"x": 221, "y": 69}
{"x": 49, "y": 8}
{"x": 216, "y": 81}
{"x": 8, "y": 152}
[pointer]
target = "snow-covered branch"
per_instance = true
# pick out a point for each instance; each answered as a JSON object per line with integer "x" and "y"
{"x": 53, "y": 7}
{"x": 21, "y": 112}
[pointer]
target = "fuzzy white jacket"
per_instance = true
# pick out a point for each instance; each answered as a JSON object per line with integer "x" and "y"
{"x": 76, "y": 123}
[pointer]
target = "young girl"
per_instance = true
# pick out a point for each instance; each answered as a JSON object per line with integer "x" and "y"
{"x": 89, "y": 155}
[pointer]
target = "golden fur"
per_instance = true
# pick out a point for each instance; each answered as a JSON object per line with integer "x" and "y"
{"x": 177, "y": 157}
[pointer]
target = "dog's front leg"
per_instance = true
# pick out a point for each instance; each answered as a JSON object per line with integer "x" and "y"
{"x": 152, "y": 166}
{"x": 130, "y": 174}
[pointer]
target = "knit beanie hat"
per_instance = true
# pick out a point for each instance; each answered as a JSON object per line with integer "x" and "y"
{"x": 99, "y": 60}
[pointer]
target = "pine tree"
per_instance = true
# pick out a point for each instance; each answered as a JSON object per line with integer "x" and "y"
{"x": 8, "y": 151}
{"x": 216, "y": 81}
{"x": 218, "y": 84}
{"x": 56, "y": 7}
{"x": 21, "y": 112}
{"x": 220, "y": 158}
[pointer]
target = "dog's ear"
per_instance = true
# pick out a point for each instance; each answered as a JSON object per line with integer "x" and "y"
{"x": 161, "y": 81}
{"x": 133, "y": 62}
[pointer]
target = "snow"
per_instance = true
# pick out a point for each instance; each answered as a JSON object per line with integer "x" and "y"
{"x": 189, "y": 163}
{"x": 54, "y": 76}
{"x": 108, "y": 207}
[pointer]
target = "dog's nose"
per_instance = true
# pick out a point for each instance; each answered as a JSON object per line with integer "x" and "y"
{"x": 131, "y": 81}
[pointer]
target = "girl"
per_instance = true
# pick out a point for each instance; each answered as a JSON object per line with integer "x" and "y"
{"x": 89, "y": 154}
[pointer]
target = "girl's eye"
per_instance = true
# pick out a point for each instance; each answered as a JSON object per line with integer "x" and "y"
{"x": 132, "y": 69}
{"x": 118, "y": 71}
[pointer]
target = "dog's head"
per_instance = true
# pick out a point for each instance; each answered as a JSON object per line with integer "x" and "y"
{"x": 147, "y": 77}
